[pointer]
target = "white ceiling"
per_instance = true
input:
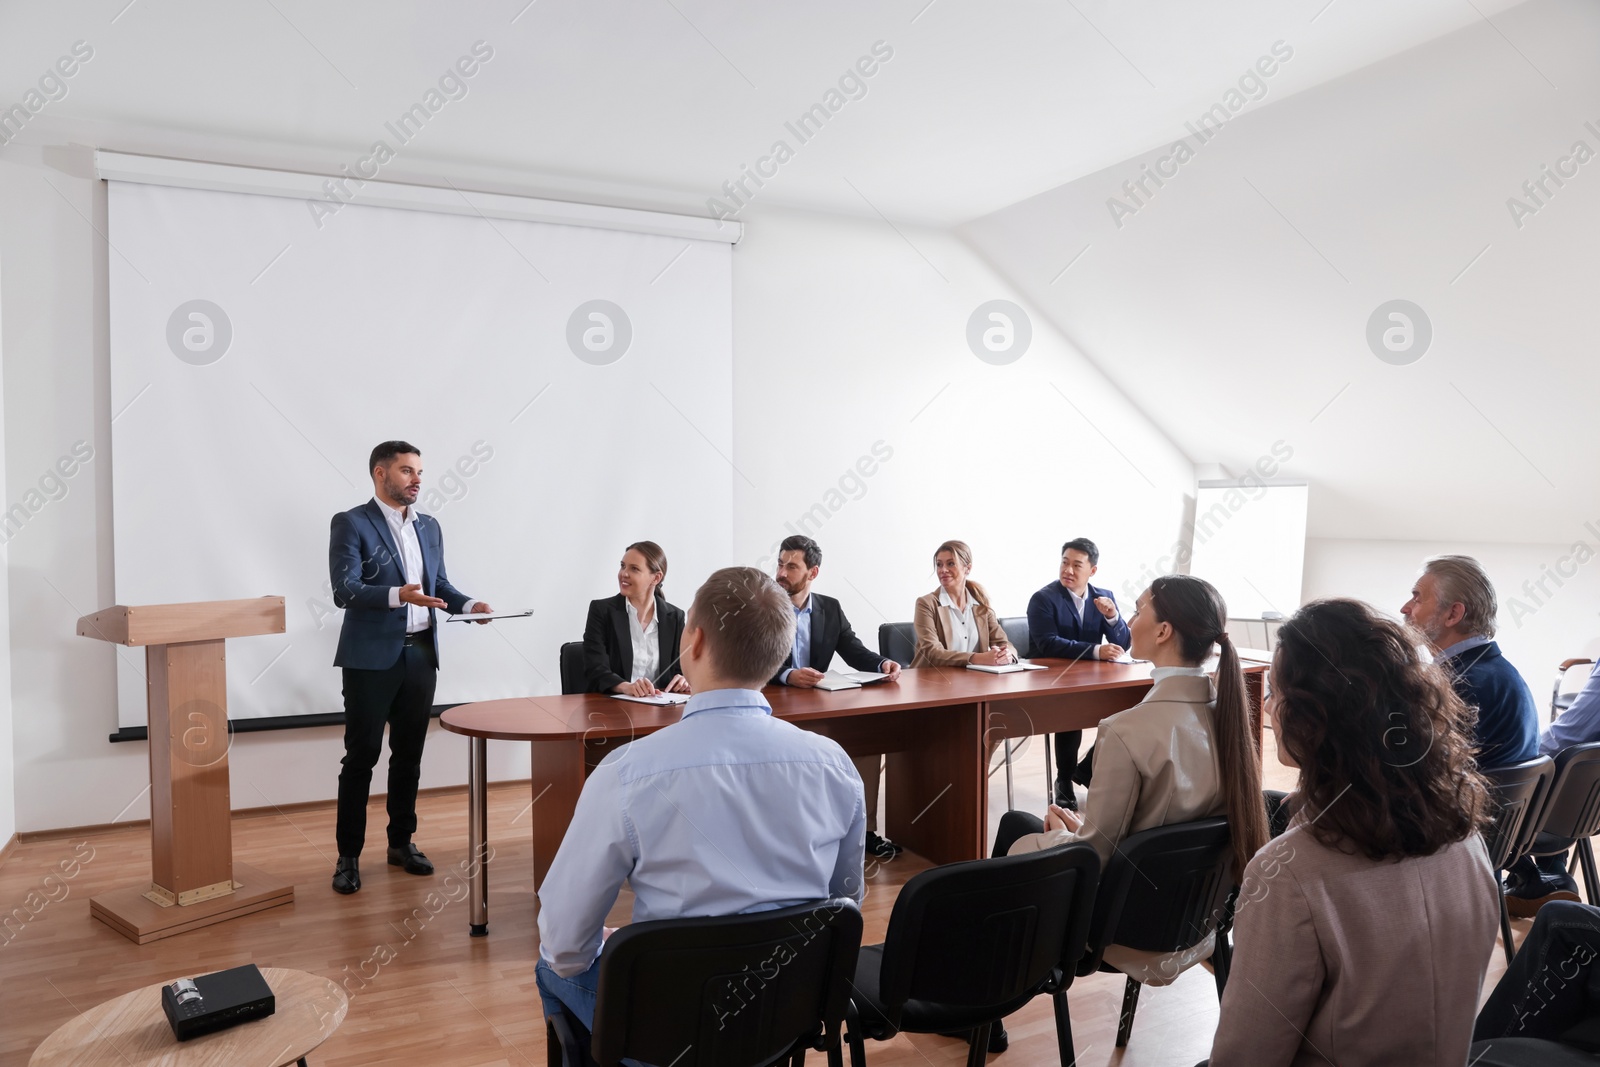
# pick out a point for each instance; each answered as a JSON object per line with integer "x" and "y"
{"x": 661, "y": 101}
{"x": 1233, "y": 306}
{"x": 1231, "y": 310}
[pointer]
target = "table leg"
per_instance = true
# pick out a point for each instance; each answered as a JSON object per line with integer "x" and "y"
{"x": 557, "y": 781}
{"x": 938, "y": 790}
{"x": 478, "y": 833}
{"x": 1254, "y": 691}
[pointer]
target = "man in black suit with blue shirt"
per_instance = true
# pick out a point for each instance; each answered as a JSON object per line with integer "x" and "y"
{"x": 820, "y": 630}
{"x": 1068, "y": 619}
{"x": 386, "y": 564}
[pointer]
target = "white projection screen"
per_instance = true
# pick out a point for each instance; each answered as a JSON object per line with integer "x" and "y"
{"x": 256, "y": 359}
{"x": 1250, "y": 542}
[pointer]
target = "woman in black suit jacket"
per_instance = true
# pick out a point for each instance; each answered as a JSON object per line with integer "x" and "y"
{"x": 618, "y": 653}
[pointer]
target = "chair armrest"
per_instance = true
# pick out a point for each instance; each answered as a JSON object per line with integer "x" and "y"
{"x": 1568, "y": 664}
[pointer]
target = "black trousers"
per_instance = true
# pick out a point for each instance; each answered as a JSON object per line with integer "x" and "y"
{"x": 1067, "y": 746}
{"x": 1553, "y": 983}
{"x": 1015, "y": 824}
{"x": 400, "y": 697}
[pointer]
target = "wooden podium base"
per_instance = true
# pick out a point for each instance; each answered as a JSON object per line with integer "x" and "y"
{"x": 130, "y": 913}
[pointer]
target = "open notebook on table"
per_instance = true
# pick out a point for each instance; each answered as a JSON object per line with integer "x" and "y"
{"x": 850, "y": 679}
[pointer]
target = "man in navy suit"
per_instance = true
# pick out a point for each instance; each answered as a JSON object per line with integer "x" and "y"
{"x": 821, "y": 630}
{"x": 1068, "y": 619}
{"x": 386, "y": 563}
{"x": 1453, "y": 606}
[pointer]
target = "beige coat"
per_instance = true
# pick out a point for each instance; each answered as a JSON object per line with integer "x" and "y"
{"x": 1342, "y": 959}
{"x": 933, "y": 632}
{"x": 1154, "y": 765}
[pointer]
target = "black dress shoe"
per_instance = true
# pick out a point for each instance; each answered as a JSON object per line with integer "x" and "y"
{"x": 1066, "y": 796}
{"x": 346, "y": 875}
{"x": 410, "y": 859}
{"x": 882, "y": 847}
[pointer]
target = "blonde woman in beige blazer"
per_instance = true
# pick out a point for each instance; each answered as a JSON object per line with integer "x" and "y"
{"x": 955, "y": 625}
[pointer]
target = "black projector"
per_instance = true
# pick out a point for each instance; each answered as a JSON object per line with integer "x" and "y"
{"x": 196, "y": 1006}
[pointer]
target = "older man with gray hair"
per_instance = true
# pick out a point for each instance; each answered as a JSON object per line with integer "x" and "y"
{"x": 1453, "y": 606}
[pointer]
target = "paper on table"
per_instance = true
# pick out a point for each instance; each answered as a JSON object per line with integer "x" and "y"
{"x": 660, "y": 699}
{"x": 835, "y": 680}
{"x": 486, "y": 616}
{"x": 1006, "y": 668}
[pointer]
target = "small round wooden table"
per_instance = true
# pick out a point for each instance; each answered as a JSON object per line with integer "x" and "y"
{"x": 132, "y": 1030}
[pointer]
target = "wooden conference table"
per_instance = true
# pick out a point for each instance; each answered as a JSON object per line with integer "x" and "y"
{"x": 934, "y": 723}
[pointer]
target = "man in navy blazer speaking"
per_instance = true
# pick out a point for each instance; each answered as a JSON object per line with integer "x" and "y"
{"x": 386, "y": 563}
{"x": 1066, "y": 620}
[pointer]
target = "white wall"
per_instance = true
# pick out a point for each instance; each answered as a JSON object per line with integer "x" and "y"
{"x": 1537, "y": 627}
{"x": 8, "y": 792}
{"x": 1233, "y": 305}
{"x": 59, "y": 562}
{"x": 848, "y": 333}
{"x": 844, "y": 337}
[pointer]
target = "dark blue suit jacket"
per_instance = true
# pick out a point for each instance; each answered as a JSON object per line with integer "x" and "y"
{"x": 1054, "y": 629}
{"x": 1508, "y": 720}
{"x": 364, "y": 563}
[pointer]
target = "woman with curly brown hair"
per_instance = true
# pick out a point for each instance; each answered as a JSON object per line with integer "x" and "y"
{"x": 1363, "y": 932}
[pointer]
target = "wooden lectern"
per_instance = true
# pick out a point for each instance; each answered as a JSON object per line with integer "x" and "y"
{"x": 194, "y": 881}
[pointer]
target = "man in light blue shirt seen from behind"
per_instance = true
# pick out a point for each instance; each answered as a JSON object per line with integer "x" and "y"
{"x": 727, "y": 811}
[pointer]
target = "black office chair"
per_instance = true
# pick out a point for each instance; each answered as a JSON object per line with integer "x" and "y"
{"x": 734, "y": 991}
{"x": 1518, "y": 794}
{"x": 970, "y": 943}
{"x": 574, "y": 679}
{"x": 1016, "y": 628}
{"x": 897, "y": 641}
{"x": 1529, "y": 1052}
{"x": 1572, "y": 814}
{"x": 1164, "y": 890}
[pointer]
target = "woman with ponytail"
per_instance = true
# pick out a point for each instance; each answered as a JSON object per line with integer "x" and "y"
{"x": 1185, "y": 752}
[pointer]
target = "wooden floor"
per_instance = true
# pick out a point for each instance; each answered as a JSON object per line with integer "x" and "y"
{"x": 423, "y": 991}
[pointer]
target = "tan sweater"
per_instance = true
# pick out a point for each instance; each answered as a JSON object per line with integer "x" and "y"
{"x": 1342, "y": 960}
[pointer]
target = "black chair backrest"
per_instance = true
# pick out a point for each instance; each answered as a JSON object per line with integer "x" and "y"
{"x": 1518, "y": 794}
{"x": 1164, "y": 890}
{"x": 988, "y": 933}
{"x": 733, "y": 991}
{"x": 1016, "y": 628}
{"x": 897, "y": 641}
{"x": 573, "y": 677}
{"x": 1573, "y": 810}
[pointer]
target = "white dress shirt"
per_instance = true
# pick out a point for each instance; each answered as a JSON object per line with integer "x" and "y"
{"x": 1176, "y": 672}
{"x": 646, "y": 644}
{"x": 963, "y": 624}
{"x": 403, "y": 528}
{"x": 727, "y": 811}
{"x": 1079, "y": 603}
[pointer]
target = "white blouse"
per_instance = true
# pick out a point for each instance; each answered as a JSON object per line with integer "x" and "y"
{"x": 963, "y": 624}
{"x": 646, "y": 646}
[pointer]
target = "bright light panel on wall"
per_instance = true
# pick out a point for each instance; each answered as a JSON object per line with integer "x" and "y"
{"x": 1250, "y": 542}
